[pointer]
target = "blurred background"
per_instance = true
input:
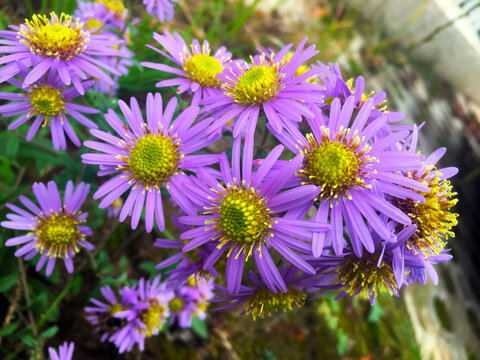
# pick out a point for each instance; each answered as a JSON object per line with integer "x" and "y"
{"x": 425, "y": 54}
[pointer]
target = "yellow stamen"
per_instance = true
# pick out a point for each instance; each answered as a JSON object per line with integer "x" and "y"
{"x": 55, "y": 37}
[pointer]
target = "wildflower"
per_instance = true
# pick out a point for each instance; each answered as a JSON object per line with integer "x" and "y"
{"x": 149, "y": 304}
{"x": 337, "y": 87}
{"x": 368, "y": 275}
{"x": 343, "y": 159}
{"x": 258, "y": 300}
{"x": 55, "y": 230}
{"x": 242, "y": 217}
{"x": 147, "y": 156}
{"x": 65, "y": 352}
{"x": 47, "y": 101}
{"x": 97, "y": 17}
{"x": 162, "y": 9}
{"x": 56, "y": 44}
{"x": 191, "y": 299}
{"x": 266, "y": 85}
{"x": 105, "y": 316}
{"x": 117, "y": 7}
{"x": 108, "y": 18}
{"x": 198, "y": 69}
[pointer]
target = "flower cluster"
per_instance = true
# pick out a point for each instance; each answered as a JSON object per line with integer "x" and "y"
{"x": 143, "y": 310}
{"x": 351, "y": 206}
{"x": 52, "y": 60}
{"x": 336, "y": 197}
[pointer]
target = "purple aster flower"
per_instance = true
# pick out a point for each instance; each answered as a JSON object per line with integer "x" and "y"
{"x": 264, "y": 85}
{"x": 433, "y": 217}
{"x": 120, "y": 13}
{"x": 373, "y": 273}
{"x": 337, "y": 87}
{"x": 258, "y": 300}
{"x": 56, "y": 45}
{"x": 97, "y": 17}
{"x": 104, "y": 316}
{"x": 146, "y": 156}
{"x": 198, "y": 69}
{"x": 47, "y": 101}
{"x": 162, "y": 9}
{"x": 55, "y": 230}
{"x": 149, "y": 302}
{"x": 191, "y": 299}
{"x": 343, "y": 158}
{"x": 65, "y": 352}
{"x": 243, "y": 217}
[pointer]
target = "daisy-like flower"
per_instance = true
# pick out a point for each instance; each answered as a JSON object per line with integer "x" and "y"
{"x": 56, "y": 230}
{"x": 120, "y": 13}
{"x": 382, "y": 271}
{"x": 146, "y": 156}
{"x": 243, "y": 217}
{"x": 343, "y": 159}
{"x": 197, "y": 70}
{"x": 149, "y": 302}
{"x": 97, "y": 17}
{"x": 65, "y": 352}
{"x": 56, "y": 45}
{"x": 266, "y": 85}
{"x": 191, "y": 299}
{"x": 433, "y": 217}
{"x": 104, "y": 316}
{"x": 47, "y": 102}
{"x": 337, "y": 87}
{"x": 162, "y": 9}
{"x": 258, "y": 300}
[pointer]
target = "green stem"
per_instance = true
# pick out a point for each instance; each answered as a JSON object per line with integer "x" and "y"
{"x": 55, "y": 304}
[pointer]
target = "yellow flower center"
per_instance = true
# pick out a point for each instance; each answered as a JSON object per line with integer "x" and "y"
{"x": 55, "y": 37}
{"x": 203, "y": 69}
{"x": 46, "y": 100}
{"x": 433, "y": 219}
{"x": 337, "y": 164}
{"x": 243, "y": 216}
{"x": 116, "y": 308}
{"x": 117, "y": 6}
{"x": 256, "y": 86}
{"x": 154, "y": 159}
{"x": 153, "y": 318}
{"x": 362, "y": 276}
{"x": 176, "y": 304}
{"x": 57, "y": 233}
{"x": 263, "y": 301}
{"x": 93, "y": 24}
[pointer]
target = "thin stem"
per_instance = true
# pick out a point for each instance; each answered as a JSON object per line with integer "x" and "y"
{"x": 23, "y": 279}
{"x": 17, "y": 292}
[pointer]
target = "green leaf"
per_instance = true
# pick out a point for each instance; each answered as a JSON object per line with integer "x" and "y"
{"x": 199, "y": 327}
{"x": 10, "y": 328}
{"x": 12, "y": 146}
{"x": 149, "y": 267}
{"x": 7, "y": 281}
{"x": 49, "y": 332}
{"x": 29, "y": 341}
